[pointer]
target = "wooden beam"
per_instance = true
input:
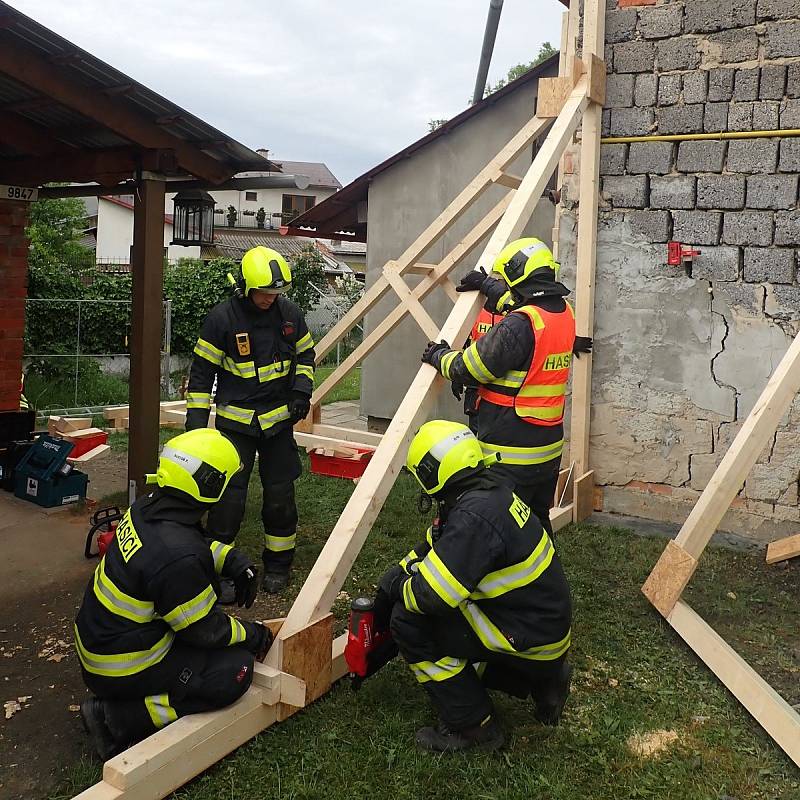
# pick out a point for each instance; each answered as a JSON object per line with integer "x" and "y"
{"x": 783, "y": 549}
{"x": 422, "y": 289}
{"x": 348, "y": 434}
{"x": 410, "y": 303}
{"x": 588, "y": 198}
{"x": 443, "y": 222}
{"x": 768, "y": 708}
{"x": 23, "y": 65}
{"x": 344, "y": 543}
{"x": 28, "y": 138}
{"x": 753, "y": 437}
{"x": 146, "y": 327}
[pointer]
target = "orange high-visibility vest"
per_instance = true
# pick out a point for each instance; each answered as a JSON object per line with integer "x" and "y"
{"x": 483, "y": 324}
{"x": 538, "y": 395}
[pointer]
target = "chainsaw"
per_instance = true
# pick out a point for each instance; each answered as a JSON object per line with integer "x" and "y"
{"x": 104, "y": 525}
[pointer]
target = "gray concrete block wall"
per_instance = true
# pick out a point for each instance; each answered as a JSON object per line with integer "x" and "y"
{"x": 680, "y": 361}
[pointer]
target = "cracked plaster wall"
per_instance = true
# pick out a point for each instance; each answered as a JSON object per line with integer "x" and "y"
{"x": 680, "y": 361}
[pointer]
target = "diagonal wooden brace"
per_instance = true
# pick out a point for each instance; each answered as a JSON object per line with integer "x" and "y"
{"x": 409, "y": 301}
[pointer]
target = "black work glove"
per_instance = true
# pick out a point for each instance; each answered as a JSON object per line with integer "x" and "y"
{"x": 494, "y": 290}
{"x": 434, "y": 352}
{"x": 263, "y": 642}
{"x": 299, "y": 406}
{"x": 583, "y": 344}
{"x": 472, "y": 281}
{"x": 457, "y": 388}
{"x": 246, "y": 583}
{"x": 391, "y": 584}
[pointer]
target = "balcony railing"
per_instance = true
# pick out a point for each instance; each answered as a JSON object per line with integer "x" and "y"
{"x": 248, "y": 219}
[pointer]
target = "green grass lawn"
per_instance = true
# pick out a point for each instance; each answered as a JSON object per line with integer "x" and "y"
{"x": 632, "y": 676}
{"x": 348, "y": 389}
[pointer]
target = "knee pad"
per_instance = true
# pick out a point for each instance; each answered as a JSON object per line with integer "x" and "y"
{"x": 241, "y": 676}
{"x": 279, "y": 510}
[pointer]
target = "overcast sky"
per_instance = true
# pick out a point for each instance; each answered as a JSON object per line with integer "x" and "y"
{"x": 347, "y": 82}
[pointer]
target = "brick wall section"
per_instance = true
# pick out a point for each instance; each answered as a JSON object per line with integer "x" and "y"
{"x": 680, "y": 360}
{"x": 13, "y": 290}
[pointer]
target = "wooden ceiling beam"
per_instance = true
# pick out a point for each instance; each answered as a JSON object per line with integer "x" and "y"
{"x": 104, "y": 166}
{"x": 37, "y": 73}
{"x": 28, "y": 104}
{"x": 28, "y": 138}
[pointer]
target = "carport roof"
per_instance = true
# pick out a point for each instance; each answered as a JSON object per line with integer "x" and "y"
{"x": 68, "y": 116}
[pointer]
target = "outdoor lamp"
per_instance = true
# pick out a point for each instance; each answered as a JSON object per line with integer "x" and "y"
{"x": 193, "y": 222}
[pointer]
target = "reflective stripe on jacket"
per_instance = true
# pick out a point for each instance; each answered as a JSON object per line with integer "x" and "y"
{"x": 493, "y": 563}
{"x": 538, "y": 396}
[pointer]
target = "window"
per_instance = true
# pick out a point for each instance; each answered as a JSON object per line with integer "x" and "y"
{"x": 252, "y": 196}
{"x": 296, "y": 204}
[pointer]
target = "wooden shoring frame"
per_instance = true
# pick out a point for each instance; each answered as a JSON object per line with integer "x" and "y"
{"x": 677, "y": 564}
{"x": 296, "y": 669}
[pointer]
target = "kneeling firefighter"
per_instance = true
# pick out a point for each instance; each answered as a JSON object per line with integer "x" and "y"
{"x": 258, "y": 347}
{"x": 520, "y": 367}
{"x": 483, "y": 603}
{"x": 152, "y": 643}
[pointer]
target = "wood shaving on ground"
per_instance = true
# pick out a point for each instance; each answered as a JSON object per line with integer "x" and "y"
{"x": 74, "y": 707}
{"x": 55, "y": 649}
{"x": 11, "y": 707}
{"x": 647, "y": 745}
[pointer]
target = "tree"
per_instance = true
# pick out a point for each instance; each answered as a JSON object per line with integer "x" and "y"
{"x": 55, "y": 229}
{"x": 307, "y": 272}
{"x": 545, "y": 51}
{"x": 434, "y": 124}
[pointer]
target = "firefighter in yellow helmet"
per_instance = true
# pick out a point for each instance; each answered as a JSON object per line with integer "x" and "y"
{"x": 258, "y": 349}
{"x": 152, "y": 642}
{"x": 520, "y": 368}
{"x": 483, "y": 603}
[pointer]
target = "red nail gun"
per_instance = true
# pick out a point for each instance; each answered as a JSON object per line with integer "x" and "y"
{"x": 369, "y": 643}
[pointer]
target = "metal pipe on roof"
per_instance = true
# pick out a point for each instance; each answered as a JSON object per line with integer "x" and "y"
{"x": 239, "y": 184}
{"x": 489, "y": 35}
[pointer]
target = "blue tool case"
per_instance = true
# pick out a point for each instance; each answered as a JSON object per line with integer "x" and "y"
{"x": 44, "y": 477}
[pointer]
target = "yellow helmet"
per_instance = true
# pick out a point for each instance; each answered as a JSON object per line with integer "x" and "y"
{"x": 524, "y": 259}
{"x": 198, "y": 463}
{"x": 442, "y": 451}
{"x": 266, "y": 269}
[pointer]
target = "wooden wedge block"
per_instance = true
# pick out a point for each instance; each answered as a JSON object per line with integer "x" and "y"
{"x": 783, "y": 549}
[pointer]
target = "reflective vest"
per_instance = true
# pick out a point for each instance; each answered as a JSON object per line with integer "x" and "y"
{"x": 538, "y": 395}
{"x": 483, "y": 324}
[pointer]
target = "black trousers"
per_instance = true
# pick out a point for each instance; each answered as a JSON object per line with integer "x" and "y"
{"x": 462, "y": 700}
{"x": 535, "y": 485}
{"x": 186, "y": 681}
{"x": 278, "y": 467}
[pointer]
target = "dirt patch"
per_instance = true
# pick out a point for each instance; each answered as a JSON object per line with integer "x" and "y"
{"x": 651, "y": 744}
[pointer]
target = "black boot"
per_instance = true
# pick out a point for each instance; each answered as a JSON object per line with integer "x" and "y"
{"x": 275, "y": 582}
{"x": 551, "y": 700}
{"x": 488, "y": 735}
{"x": 94, "y": 723}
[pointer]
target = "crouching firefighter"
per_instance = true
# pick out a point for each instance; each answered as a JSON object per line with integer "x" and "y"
{"x": 152, "y": 643}
{"x": 483, "y": 603}
{"x": 258, "y": 347}
{"x": 520, "y": 367}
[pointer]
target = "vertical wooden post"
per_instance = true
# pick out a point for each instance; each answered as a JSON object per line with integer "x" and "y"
{"x": 593, "y": 44}
{"x": 146, "y": 327}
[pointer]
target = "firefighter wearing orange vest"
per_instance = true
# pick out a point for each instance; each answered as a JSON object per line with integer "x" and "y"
{"x": 483, "y": 324}
{"x": 520, "y": 368}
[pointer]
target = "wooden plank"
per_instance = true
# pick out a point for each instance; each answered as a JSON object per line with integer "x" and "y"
{"x": 311, "y": 441}
{"x": 348, "y": 434}
{"x": 584, "y": 496}
{"x": 666, "y": 582}
{"x": 596, "y": 70}
{"x": 561, "y": 517}
{"x": 753, "y": 437}
{"x": 768, "y": 708}
{"x": 506, "y": 179}
{"x": 783, "y": 549}
{"x": 67, "y": 424}
{"x": 410, "y": 303}
{"x": 443, "y": 222}
{"x": 449, "y": 288}
{"x": 344, "y": 543}
{"x": 421, "y": 290}
{"x": 588, "y": 197}
{"x": 306, "y": 654}
{"x": 140, "y": 762}
{"x": 287, "y": 688}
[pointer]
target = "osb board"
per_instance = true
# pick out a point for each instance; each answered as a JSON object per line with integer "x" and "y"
{"x": 307, "y": 655}
{"x": 669, "y": 577}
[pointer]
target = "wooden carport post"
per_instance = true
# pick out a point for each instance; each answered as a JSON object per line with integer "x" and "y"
{"x": 146, "y": 328}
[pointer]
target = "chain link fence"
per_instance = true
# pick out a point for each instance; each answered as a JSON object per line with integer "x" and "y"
{"x": 331, "y": 306}
{"x": 87, "y": 365}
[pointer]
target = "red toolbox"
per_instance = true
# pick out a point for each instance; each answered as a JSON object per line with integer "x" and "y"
{"x": 85, "y": 440}
{"x": 340, "y": 466}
